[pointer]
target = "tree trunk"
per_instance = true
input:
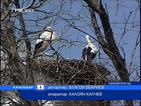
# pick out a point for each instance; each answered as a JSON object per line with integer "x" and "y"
{"x": 109, "y": 47}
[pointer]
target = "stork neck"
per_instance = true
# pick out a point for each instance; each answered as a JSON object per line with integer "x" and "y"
{"x": 88, "y": 40}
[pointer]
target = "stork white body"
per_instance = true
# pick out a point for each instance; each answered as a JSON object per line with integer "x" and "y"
{"x": 90, "y": 50}
{"x": 44, "y": 40}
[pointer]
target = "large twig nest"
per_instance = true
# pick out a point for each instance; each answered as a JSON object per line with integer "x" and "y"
{"x": 72, "y": 71}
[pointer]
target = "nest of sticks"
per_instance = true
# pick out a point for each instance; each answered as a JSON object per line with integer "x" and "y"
{"x": 73, "y": 71}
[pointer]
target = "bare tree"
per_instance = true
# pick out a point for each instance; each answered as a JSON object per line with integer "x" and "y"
{"x": 107, "y": 40}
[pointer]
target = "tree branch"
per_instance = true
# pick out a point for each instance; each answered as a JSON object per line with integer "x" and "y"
{"x": 116, "y": 57}
{"x": 29, "y": 74}
{"x": 94, "y": 5}
{"x": 111, "y": 48}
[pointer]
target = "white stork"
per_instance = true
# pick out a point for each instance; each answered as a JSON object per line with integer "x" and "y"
{"x": 90, "y": 50}
{"x": 44, "y": 40}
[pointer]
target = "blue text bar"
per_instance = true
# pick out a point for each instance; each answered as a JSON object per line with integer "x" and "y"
{"x": 70, "y": 87}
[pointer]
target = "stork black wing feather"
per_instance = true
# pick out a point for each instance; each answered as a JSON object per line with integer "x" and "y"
{"x": 89, "y": 50}
{"x": 92, "y": 56}
{"x": 37, "y": 46}
{"x": 84, "y": 53}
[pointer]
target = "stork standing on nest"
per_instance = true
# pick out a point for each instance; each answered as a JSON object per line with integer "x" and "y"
{"x": 90, "y": 50}
{"x": 44, "y": 41}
